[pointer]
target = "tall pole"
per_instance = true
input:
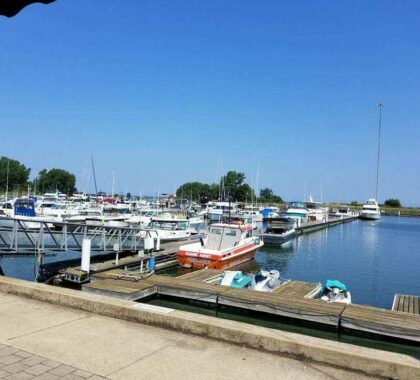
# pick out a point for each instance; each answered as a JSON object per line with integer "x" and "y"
{"x": 7, "y": 179}
{"x": 380, "y": 105}
{"x": 94, "y": 175}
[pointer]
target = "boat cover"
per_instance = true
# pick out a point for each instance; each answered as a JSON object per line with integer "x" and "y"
{"x": 335, "y": 284}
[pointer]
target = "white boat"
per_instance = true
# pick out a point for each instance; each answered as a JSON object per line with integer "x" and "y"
{"x": 23, "y": 210}
{"x": 226, "y": 246}
{"x": 370, "y": 210}
{"x": 342, "y": 212}
{"x": 297, "y": 211}
{"x": 169, "y": 229}
{"x": 216, "y": 211}
{"x": 279, "y": 231}
{"x": 335, "y": 291}
{"x": 267, "y": 281}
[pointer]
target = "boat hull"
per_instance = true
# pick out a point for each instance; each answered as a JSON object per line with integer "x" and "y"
{"x": 370, "y": 216}
{"x": 278, "y": 239}
{"x": 229, "y": 260}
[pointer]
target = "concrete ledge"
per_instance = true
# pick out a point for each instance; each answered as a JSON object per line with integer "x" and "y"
{"x": 368, "y": 361}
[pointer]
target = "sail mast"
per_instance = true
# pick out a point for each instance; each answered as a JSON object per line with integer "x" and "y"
{"x": 380, "y": 105}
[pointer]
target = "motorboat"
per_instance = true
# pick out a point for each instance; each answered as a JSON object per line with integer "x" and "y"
{"x": 370, "y": 210}
{"x": 279, "y": 231}
{"x": 168, "y": 229}
{"x": 226, "y": 246}
{"x": 335, "y": 291}
{"x": 297, "y": 211}
{"x": 23, "y": 210}
{"x": 216, "y": 211}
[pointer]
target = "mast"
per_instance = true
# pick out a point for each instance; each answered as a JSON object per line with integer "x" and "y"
{"x": 94, "y": 175}
{"x": 380, "y": 105}
{"x": 7, "y": 178}
{"x": 113, "y": 183}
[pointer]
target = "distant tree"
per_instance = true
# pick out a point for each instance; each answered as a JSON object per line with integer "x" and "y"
{"x": 392, "y": 203}
{"x": 128, "y": 196}
{"x": 18, "y": 174}
{"x": 234, "y": 185}
{"x": 194, "y": 190}
{"x": 354, "y": 203}
{"x": 56, "y": 179}
{"x": 267, "y": 196}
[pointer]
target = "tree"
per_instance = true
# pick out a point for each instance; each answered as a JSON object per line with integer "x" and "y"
{"x": 194, "y": 191}
{"x": 392, "y": 202}
{"x": 234, "y": 185}
{"x": 267, "y": 196}
{"x": 18, "y": 174}
{"x": 354, "y": 203}
{"x": 56, "y": 179}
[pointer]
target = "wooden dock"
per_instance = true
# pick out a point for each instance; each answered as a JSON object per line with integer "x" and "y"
{"x": 406, "y": 304}
{"x": 309, "y": 227}
{"x": 292, "y": 300}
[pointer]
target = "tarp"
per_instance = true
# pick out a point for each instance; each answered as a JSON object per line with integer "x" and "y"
{"x": 335, "y": 284}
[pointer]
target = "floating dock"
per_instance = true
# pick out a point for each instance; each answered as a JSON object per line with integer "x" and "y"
{"x": 309, "y": 227}
{"x": 406, "y": 304}
{"x": 292, "y": 300}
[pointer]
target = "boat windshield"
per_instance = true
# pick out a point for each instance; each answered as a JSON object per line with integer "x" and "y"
{"x": 169, "y": 225}
{"x": 297, "y": 205}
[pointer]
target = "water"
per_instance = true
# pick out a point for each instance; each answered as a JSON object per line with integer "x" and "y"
{"x": 374, "y": 259}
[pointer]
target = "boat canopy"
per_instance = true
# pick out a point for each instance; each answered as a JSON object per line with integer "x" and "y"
{"x": 335, "y": 284}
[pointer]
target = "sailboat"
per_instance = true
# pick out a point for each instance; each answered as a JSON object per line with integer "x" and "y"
{"x": 371, "y": 210}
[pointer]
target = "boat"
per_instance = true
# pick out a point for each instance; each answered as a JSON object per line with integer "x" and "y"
{"x": 226, "y": 246}
{"x": 169, "y": 229}
{"x": 23, "y": 211}
{"x": 235, "y": 279}
{"x": 335, "y": 291}
{"x": 216, "y": 211}
{"x": 341, "y": 212}
{"x": 279, "y": 231}
{"x": 264, "y": 281}
{"x": 267, "y": 281}
{"x": 297, "y": 211}
{"x": 370, "y": 210}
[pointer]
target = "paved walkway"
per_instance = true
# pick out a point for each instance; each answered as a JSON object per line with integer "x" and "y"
{"x": 43, "y": 341}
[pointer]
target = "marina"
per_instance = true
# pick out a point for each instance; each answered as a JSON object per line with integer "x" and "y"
{"x": 209, "y": 190}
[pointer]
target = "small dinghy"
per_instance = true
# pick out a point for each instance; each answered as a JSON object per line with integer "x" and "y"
{"x": 335, "y": 291}
{"x": 267, "y": 281}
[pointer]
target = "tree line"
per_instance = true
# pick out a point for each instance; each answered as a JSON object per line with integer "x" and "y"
{"x": 231, "y": 186}
{"x": 14, "y": 176}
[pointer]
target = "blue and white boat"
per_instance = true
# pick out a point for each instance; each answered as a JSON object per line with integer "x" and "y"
{"x": 335, "y": 291}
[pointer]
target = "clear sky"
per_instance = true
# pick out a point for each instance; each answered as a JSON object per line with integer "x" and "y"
{"x": 160, "y": 90}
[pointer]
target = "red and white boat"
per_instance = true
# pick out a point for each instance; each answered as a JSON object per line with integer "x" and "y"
{"x": 226, "y": 246}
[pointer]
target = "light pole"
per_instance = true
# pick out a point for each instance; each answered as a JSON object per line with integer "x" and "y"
{"x": 380, "y": 105}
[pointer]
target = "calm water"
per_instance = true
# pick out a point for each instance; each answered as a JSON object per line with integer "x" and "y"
{"x": 374, "y": 259}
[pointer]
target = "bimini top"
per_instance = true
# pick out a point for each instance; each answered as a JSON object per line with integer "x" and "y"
{"x": 335, "y": 284}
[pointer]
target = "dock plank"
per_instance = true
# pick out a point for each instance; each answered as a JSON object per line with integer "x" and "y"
{"x": 383, "y": 322}
{"x": 406, "y": 304}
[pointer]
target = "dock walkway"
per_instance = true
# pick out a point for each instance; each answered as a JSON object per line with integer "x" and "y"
{"x": 293, "y": 300}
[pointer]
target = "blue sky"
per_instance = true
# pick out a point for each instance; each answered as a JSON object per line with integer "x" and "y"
{"x": 159, "y": 90}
